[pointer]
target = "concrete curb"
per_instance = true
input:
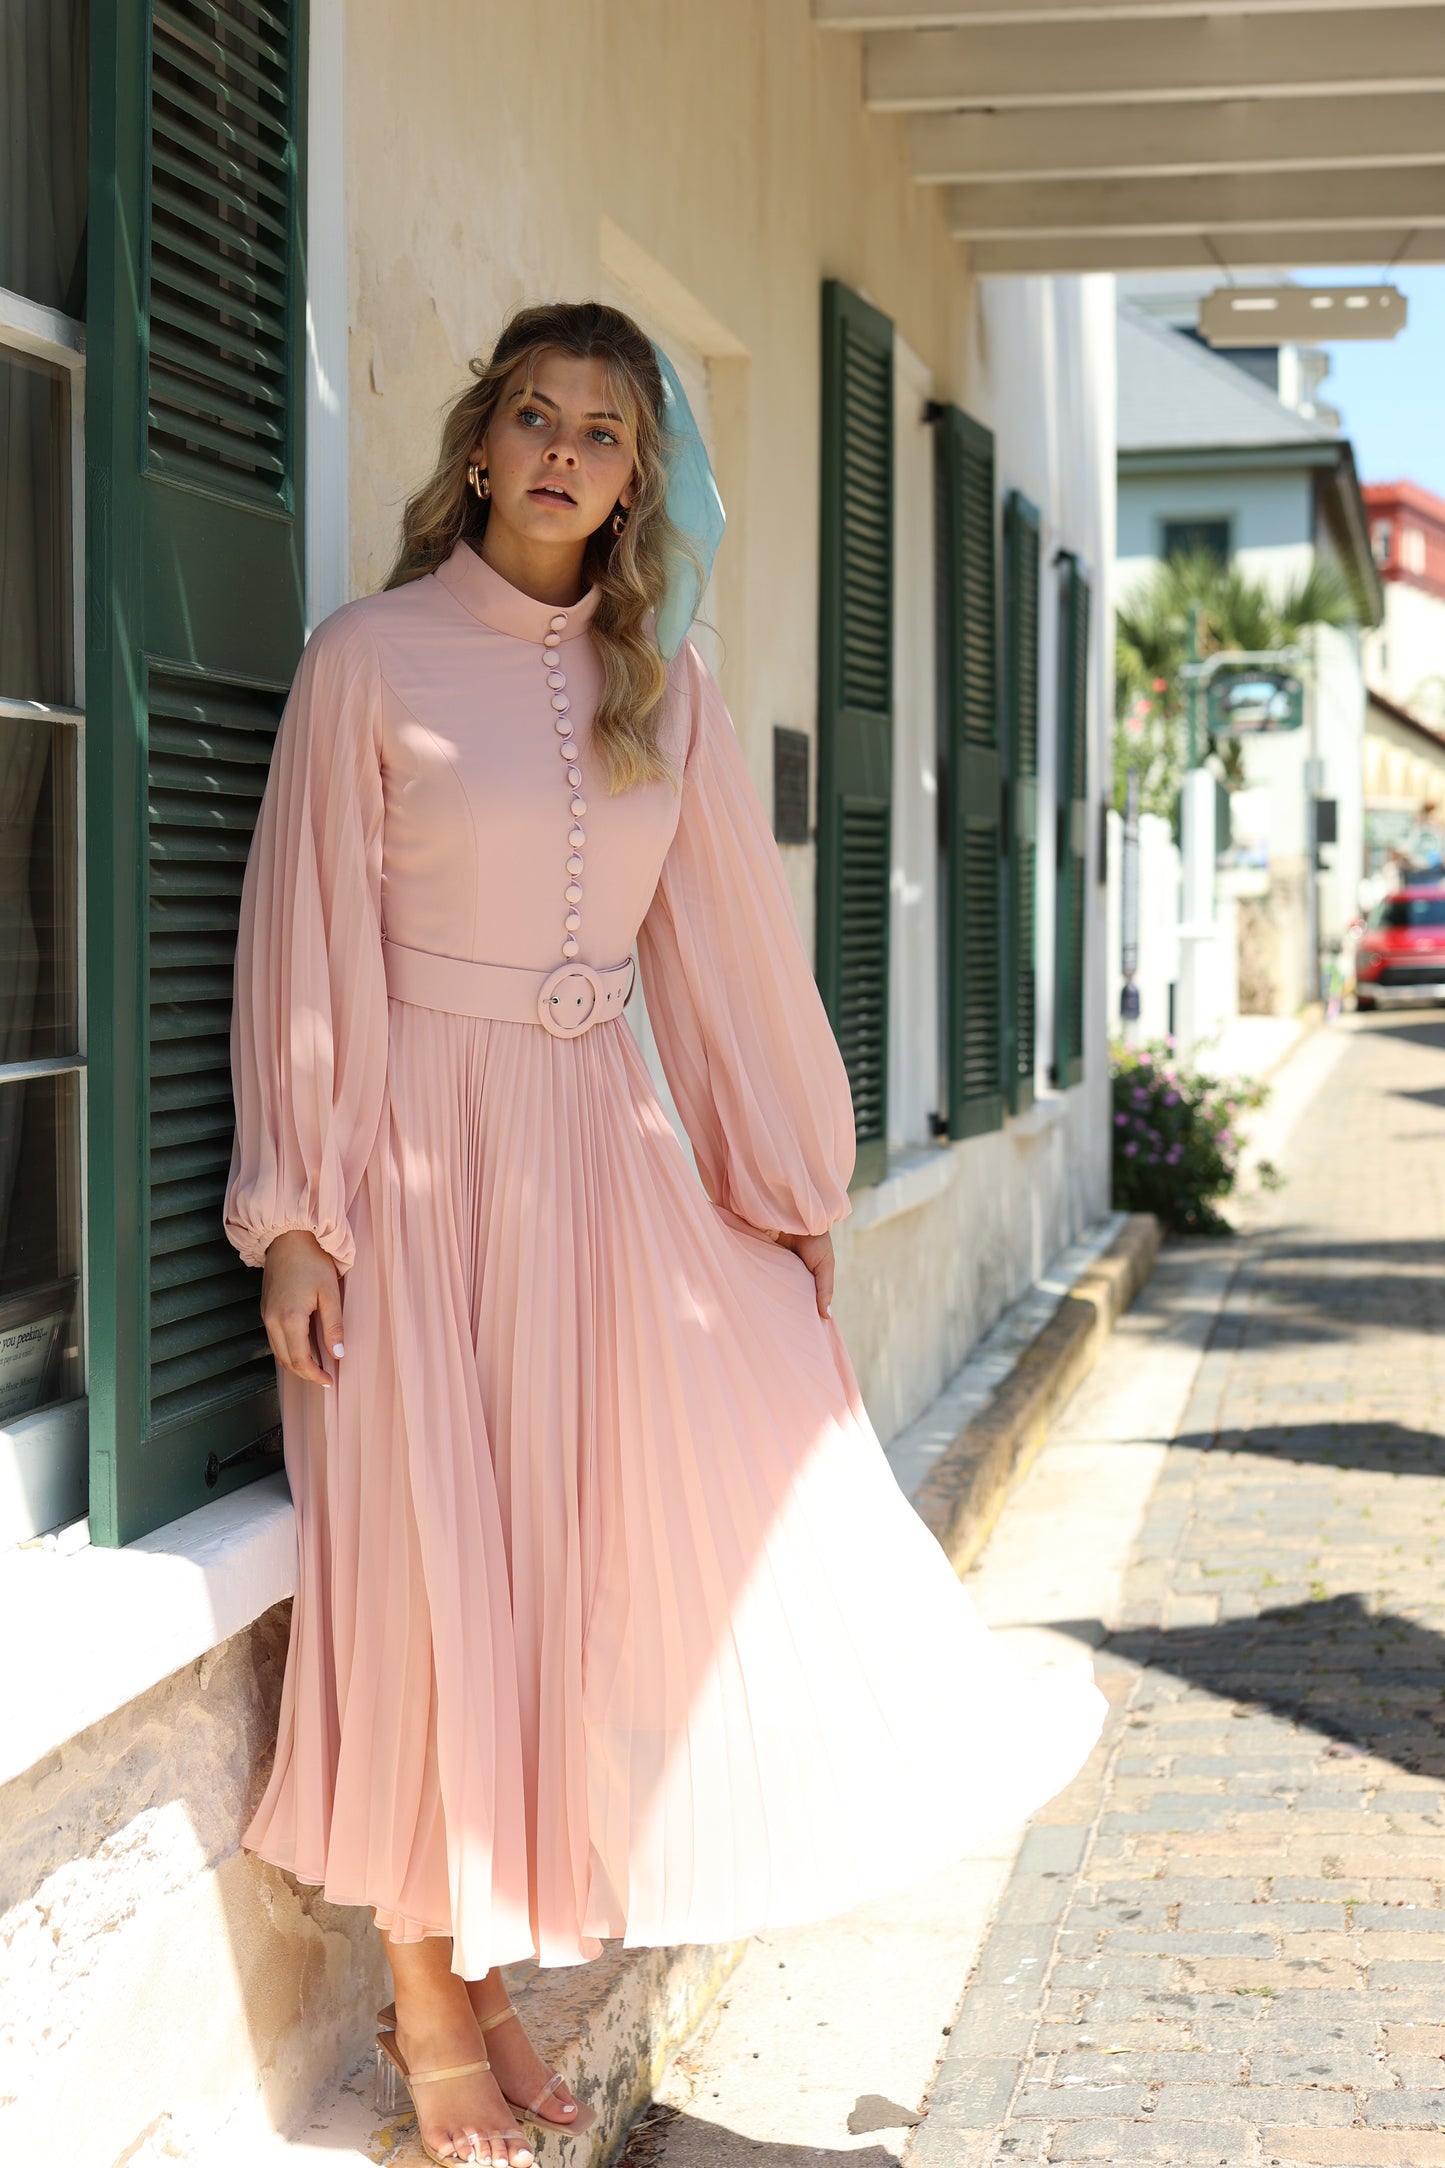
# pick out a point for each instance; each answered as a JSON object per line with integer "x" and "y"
{"x": 612, "y": 2027}
{"x": 963, "y": 1494}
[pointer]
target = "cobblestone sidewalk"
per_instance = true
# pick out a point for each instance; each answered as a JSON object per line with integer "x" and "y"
{"x": 1226, "y": 1943}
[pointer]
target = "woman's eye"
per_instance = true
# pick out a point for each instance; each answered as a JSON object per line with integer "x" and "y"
{"x": 530, "y": 414}
{"x": 606, "y": 436}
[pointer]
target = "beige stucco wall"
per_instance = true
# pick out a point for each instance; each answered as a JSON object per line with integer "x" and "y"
{"x": 729, "y": 146}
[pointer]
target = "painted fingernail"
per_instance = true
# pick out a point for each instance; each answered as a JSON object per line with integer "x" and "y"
{"x": 326, "y": 1382}
{"x": 337, "y": 1348}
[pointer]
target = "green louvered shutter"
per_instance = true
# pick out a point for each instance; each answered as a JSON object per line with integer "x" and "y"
{"x": 1071, "y": 815}
{"x": 855, "y": 703}
{"x": 196, "y": 608}
{"x": 1021, "y": 771}
{"x": 970, "y": 779}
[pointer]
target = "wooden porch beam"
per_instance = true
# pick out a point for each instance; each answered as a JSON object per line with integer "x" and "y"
{"x": 1258, "y": 135}
{"x": 1214, "y": 203}
{"x": 1369, "y": 51}
{"x": 859, "y": 15}
{"x": 1061, "y": 256}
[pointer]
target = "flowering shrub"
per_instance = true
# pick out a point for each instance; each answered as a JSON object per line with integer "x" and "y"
{"x": 1176, "y": 1137}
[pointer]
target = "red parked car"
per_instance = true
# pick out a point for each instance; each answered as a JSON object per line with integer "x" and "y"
{"x": 1401, "y": 952}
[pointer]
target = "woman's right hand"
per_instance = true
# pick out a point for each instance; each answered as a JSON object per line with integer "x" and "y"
{"x": 300, "y": 1281}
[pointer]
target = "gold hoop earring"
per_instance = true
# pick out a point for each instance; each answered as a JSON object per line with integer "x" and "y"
{"x": 619, "y": 520}
{"x": 480, "y": 481}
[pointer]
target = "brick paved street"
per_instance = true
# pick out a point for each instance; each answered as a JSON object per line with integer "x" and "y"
{"x": 1226, "y": 1943}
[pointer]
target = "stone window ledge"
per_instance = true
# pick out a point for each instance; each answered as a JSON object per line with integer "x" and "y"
{"x": 917, "y": 1173}
{"x": 89, "y": 1628}
{"x": 1047, "y": 1111}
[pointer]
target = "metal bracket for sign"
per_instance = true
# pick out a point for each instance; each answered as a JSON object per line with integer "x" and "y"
{"x": 1271, "y": 658}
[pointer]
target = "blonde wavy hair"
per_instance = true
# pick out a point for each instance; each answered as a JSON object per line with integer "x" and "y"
{"x": 629, "y": 569}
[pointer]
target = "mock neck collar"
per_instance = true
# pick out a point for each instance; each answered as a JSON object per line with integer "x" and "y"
{"x": 496, "y": 602}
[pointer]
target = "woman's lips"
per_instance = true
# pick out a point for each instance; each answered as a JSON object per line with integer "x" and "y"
{"x": 552, "y": 496}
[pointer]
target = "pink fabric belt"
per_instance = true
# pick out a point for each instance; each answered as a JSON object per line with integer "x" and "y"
{"x": 565, "y": 1002}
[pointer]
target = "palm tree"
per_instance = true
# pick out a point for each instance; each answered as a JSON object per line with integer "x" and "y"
{"x": 1195, "y": 596}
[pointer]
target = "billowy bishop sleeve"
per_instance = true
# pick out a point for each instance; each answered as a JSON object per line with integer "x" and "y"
{"x": 309, "y": 1021}
{"x": 744, "y": 1039}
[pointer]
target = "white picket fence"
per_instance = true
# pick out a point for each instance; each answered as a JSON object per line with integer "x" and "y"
{"x": 1186, "y": 948}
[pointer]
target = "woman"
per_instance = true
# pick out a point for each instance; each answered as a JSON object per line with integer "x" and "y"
{"x": 610, "y": 1619}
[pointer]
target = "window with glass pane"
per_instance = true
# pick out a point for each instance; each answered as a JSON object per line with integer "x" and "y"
{"x": 43, "y": 179}
{"x": 1190, "y": 537}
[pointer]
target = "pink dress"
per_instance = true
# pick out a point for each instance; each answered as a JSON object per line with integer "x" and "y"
{"x": 610, "y": 1618}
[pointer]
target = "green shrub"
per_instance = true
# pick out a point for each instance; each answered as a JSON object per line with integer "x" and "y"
{"x": 1176, "y": 1137}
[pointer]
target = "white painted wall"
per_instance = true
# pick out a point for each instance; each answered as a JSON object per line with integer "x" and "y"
{"x": 1405, "y": 657}
{"x": 931, "y": 1256}
{"x": 1271, "y": 518}
{"x": 915, "y": 1064}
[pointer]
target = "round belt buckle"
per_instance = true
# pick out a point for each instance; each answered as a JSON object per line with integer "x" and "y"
{"x": 567, "y": 1000}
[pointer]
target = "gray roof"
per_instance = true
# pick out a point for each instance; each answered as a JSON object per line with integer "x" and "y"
{"x": 1175, "y": 394}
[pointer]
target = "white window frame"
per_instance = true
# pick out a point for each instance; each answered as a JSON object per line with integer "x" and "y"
{"x": 44, "y": 1457}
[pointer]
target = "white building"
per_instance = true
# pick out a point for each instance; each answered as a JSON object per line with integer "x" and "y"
{"x": 1214, "y": 454}
{"x": 1405, "y": 656}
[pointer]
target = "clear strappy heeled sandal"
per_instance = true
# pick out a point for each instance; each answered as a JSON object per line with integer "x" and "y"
{"x": 393, "y": 2077}
{"x": 583, "y": 2119}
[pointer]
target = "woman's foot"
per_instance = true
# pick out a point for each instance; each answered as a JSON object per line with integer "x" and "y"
{"x": 518, "y": 2067}
{"x": 464, "y": 2118}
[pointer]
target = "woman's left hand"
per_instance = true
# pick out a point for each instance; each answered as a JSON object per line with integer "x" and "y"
{"x": 816, "y": 1252}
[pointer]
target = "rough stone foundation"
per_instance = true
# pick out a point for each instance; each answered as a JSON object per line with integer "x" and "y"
{"x": 156, "y": 1983}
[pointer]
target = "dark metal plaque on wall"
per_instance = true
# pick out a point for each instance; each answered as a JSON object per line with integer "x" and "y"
{"x": 790, "y": 786}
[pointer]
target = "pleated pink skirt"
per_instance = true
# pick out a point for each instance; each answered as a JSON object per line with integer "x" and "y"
{"x": 610, "y": 1618}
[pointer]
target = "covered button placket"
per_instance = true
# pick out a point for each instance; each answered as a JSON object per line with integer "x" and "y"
{"x": 577, "y": 835}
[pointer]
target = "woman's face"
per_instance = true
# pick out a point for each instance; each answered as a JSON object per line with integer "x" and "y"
{"x": 559, "y": 458}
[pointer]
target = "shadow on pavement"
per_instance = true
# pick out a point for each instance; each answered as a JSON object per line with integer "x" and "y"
{"x": 1305, "y": 1289}
{"x": 1382, "y": 1446}
{"x": 1431, "y": 1098}
{"x": 671, "y": 2138}
{"x": 1417, "y": 1026}
{"x": 1374, "y": 1681}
